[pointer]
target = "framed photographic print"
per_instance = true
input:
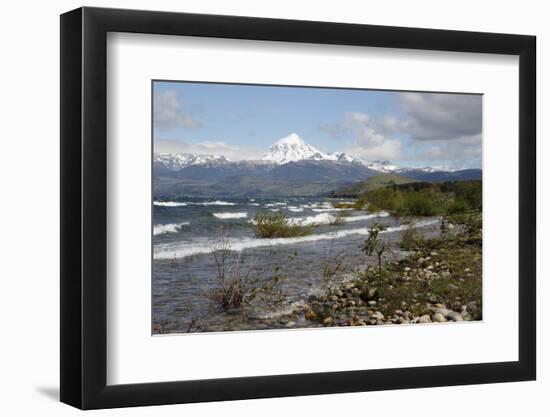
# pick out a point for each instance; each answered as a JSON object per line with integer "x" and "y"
{"x": 258, "y": 207}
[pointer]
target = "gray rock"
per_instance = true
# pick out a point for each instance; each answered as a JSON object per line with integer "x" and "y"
{"x": 371, "y": 303}
{"x": 472, "y": 307}
{"x": 443, "y": 311}
{"x": 438, "y": 318}
{"x": 424, "y": 319}
{"x": 454, "y": 316}
{"x": 378, "y": 316}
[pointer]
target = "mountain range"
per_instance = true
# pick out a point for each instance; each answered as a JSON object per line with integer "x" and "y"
{"x": 290, "y": 167}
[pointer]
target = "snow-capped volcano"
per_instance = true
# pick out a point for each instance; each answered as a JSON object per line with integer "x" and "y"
{"x": 290, "y": 149}
{"x": 293, "y": 148}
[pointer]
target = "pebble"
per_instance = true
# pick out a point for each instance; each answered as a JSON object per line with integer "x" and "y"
{"x": 438, "y": 317}
{"x": 311, "y": 315}
{"x": 424, "y": 319}
{"x": 454, "y": 316}
{"x": 291, "y": 324}
{"x": 471, "y": 306}
{"x": 371, "y": 303}
{"x": 443, "y": 311}
{"x": 378, "y": 315}
{"x": 327, "y": 321}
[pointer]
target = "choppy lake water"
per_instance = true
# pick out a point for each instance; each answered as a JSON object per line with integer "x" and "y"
{"x": 187, "y": 233}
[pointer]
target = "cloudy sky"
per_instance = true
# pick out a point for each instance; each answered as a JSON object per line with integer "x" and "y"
{"x": 242, "y": 121}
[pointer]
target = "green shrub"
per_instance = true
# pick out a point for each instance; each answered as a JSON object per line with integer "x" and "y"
{"x": 267, "y": 225}
{"x": 373, "y": 208}
{"x": 458, "y": 207}
{"x": 426, "y": 199}
{"x": 424, "y": 203}
{"x": 386, "y": 199}
{"x": 373, "y": 245}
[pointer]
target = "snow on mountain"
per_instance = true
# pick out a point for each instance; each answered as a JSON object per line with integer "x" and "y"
{"x": 292, "y": 148}
{"x": 382, "y": 166}
{"x": 425, "y": 169}
{"x": 175, "y": 162}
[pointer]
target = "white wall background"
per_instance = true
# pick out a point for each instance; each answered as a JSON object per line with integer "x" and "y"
{"x": 29, "y": 175}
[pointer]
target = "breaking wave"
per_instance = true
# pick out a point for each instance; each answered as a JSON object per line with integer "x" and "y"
{"x": 326, "y": 218}
{"x": 322, "y": 210}
{"x": 230, "y": 215}
{"x": 160, "y": 229}
{"x": 169, "y": 204}
{"x": 184, "y": 250}
{"x": 214, "y": 203}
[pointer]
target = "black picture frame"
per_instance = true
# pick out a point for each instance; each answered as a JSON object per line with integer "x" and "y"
{"x": 84, "y": 207}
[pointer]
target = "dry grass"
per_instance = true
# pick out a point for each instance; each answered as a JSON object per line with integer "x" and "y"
{"x": 268, "y": 225}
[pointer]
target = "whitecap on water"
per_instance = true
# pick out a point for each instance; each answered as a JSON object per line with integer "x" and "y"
{"x": 169, "y": 204}
{"x": 160, "y": 229}
{"x": 226, "y": 215}
{"x": 171, "y": 251}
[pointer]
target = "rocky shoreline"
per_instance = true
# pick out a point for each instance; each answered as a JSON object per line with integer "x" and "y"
{"x": 439, "y": 282}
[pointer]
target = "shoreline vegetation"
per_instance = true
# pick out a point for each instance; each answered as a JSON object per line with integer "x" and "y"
{"x": 440, "y": 278}
{"x": 272, "y": 225}
{"x": 412, "y": 279}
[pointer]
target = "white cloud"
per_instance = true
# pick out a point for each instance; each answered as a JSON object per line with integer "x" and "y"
{"x": 426, "y": 127}
{"x": 168, "y": 112}
{"x": 431, "y": 116}
{"x": 235, "y": 153}
{"x": 389, "y": 149}
{"x": 370, "y": 136}
{"x": 460, "y": 153}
